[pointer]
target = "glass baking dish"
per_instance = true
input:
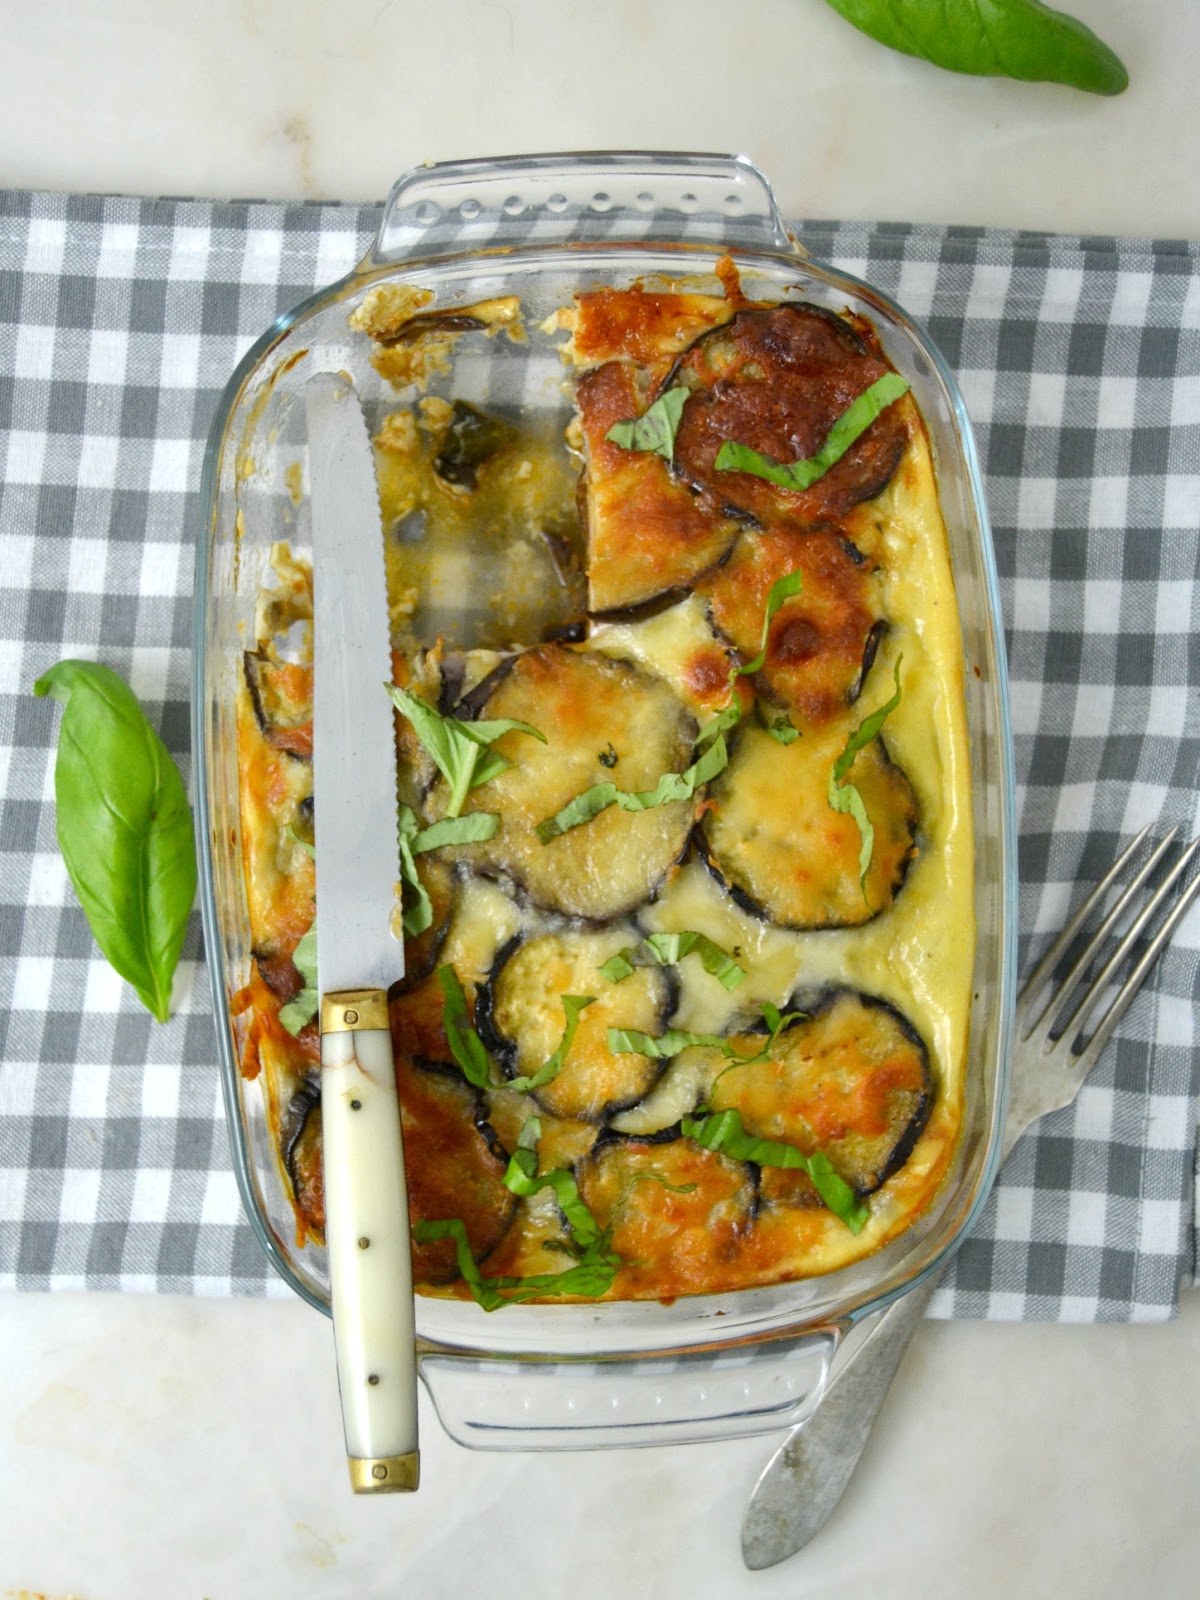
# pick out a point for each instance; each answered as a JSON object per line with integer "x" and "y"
{"x": 576, "y": 1376}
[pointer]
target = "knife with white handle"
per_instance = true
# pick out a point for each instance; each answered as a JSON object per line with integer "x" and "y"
{"x": 354, "y": 798}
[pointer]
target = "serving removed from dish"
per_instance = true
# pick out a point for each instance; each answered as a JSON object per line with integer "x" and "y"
{"x": 685, "y": 850}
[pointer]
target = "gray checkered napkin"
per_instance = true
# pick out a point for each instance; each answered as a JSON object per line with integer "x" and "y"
{"x": 120, "y": 321}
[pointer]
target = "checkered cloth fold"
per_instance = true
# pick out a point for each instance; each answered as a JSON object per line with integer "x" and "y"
{"x": 120, "y": 321}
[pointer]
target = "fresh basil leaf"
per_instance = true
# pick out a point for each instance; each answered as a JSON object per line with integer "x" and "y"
{"x": 671, "y": 786}
{"x": 668, "y": 949}
{"x": 466, "y": 1046}
{"x": 521, "y": 1180}
{"x": 301, "y": 844}
{"x": 783, "y": 589}
{"x": 298, "y": 1013}
{"x": 656, "y": 428}
{"x": 850, "y": 426}
{"x": 782, "y": 729}
{"x": 728, "y": 717}
{"x": 589, "y": 1278}
{"x": 992, "y": 38}
{"x": 418, "y": 913}
{"x": 474, "y": 828}
{"x": 458, "y": 748}
{"x": 843, "y": 796}
{"x": 631, "y": 1041}
{"x": 723, "y": 1131}
{"x": 124, "y": 827}
{"x": 573, "y": 1004}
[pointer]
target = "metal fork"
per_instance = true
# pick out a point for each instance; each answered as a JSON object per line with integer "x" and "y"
{"x": 1053, "y": 1054}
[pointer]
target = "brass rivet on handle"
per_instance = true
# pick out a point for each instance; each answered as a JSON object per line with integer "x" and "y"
{"x": 351, "y": 1017}
{"x": 379, "y": 1470}
{"x": 364, "y": 1243}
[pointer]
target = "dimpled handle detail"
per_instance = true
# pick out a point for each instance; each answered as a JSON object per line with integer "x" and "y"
{"x": 454, "y": 208}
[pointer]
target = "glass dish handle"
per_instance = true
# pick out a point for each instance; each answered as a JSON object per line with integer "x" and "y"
{"x": 623, "y": 197}
{"x": 496, "y": 1405}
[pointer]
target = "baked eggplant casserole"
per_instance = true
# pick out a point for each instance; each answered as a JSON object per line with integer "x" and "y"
{"x": 685, "y": 875}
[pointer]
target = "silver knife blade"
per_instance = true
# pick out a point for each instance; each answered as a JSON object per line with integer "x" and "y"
{"x": 354, "y": 780}
{"x": 354, "y": 793}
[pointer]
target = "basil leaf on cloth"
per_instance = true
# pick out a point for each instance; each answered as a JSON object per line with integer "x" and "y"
{"x": 851, "y": 425}
{"x": 656, "y": 428}
{"x": 124, "y": 827}
{"x": 992, "y": 38}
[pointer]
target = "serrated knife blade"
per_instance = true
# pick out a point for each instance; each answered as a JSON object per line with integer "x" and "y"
{"x": 354, "y": 798}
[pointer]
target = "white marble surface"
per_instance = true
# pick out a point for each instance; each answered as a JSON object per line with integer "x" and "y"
{"x": 153, "y": 1448}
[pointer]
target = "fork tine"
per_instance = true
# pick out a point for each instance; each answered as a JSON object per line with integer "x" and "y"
{"x": 1125, "y": 995}
{"x": 1056, "y": 1020}
{"x": 1045, "y": 968}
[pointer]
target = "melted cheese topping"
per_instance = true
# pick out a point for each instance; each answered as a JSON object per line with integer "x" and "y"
{"x": 917, "y": 955}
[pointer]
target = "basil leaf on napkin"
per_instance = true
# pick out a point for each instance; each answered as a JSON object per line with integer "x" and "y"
{"x": 124, "y": 827}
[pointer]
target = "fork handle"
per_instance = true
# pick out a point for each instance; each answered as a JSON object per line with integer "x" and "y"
{"x": 805, "y": 1478}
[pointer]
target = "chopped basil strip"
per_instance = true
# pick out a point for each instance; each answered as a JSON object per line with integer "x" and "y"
{"x": 471, "y": 829}
{"x": 573, "y": 1004}
{"x": 298, "y": 1013}
{"x": 301, "y": 844}
{"x": 590, "y": 1277}
{"x": 668, "y": 949}
{"x": 728, "y": 717}
{"x": 843, "y": 796}
{"x": 629, "y": 1041}
{"x": 723, "y": 1131}
{"x": 850, "y": 426}
{"x": 524, "y": 1179}
{"x": 671, "y": 786}
{"x": 783, "y": 589}
{"x": 457, "y": 747}
{"x": 656, "y": 428}
{"x": 466, "y": 1046}
{"x": 782, "y": 729}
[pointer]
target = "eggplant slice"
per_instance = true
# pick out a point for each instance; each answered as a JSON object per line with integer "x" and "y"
{"x": 821, "y": 641}
{"x": 648, "y": 536}
{"x": 850, "y": 1078}
{"x": 281, "y": 693}
{"x": 774, "y": 841}
{"x": 679, "y": 1214}
{"x": 519, "y": 1020}
{"x": 777, "y": 379}
{"x": 604, "y": 721}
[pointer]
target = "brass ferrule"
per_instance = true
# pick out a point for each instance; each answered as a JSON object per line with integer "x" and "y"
{"x": 353, "y": 1010}
{"x": 385, "y": 1474}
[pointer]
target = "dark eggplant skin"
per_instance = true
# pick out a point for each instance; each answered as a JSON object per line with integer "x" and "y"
{"x": 588, "y": 705}
{"x": 899, "y": 1072}
{"x": 293, "y": 736}
{"x": 870, "y": 650}
{"x": 424, "y": 322}
{"x": 783, "y": 376}
{"x": 299, "y": 1127}
{"x": 570, "y": 1095}
{"x": 851, "y": 908}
